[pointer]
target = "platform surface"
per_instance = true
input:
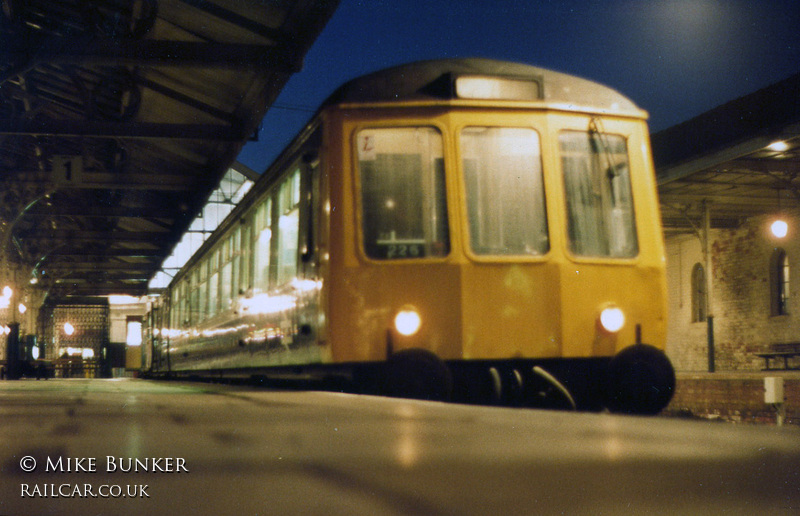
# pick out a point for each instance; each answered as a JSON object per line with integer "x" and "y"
{"x": 235, "y": 450}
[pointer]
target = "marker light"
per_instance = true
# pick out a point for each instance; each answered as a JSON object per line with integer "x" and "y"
{"x": 612, "y": 319}
{"x": 780, "y": 228}
{"x": 407, "y": 322}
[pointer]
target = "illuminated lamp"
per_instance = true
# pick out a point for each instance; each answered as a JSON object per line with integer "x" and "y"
{"x": 68, "y": 328}
{"x": 779, "y": 228}
{"x": 407, "y": 322}
{"x": 778, "y": 146}
{"x": 496, "y": 88}
{"x": 612, "y": 319}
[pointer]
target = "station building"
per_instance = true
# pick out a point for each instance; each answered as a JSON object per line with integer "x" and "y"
{"x": 730, "y": 199}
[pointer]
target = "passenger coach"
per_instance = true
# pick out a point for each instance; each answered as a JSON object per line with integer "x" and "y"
{"x": 470, "y": 227}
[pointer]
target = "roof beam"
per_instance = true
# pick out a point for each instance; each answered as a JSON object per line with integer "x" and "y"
{"x": 150, "y": 52}
{"x": 131, "y": 268}
{"x": 262, "y": 30}
{"x": 105, "y": 181}
{"x": 742, "y": 199}
{"x": 82, "y": 128}
{"x": 83, "y": 235}
{"x": 102, "y": 289}
{"x": 109, "y": 253}
{"x": 101, "y": 211}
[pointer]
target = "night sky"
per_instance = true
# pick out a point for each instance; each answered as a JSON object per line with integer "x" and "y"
{"x": 674, "y": 58}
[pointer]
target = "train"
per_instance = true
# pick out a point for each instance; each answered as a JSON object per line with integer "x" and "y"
{"x": 459, "y": 229}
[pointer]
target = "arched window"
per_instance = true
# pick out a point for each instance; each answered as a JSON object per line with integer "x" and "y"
{"x": 699, "y": 294}
{"x": 779, "y": 282}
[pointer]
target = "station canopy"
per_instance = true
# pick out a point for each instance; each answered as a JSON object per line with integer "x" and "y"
{"x": 736, "y": 161}
{"x": 120, "y": 118}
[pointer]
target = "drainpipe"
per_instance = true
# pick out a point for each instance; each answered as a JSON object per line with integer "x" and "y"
{"x": 709, "y": 283}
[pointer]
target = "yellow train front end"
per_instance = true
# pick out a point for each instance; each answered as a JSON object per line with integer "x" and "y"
{"x": 504, "y": 241}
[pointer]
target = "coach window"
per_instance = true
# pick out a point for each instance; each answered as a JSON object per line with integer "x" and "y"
{"x": 183, "y": 307}
{"x": 598, "y": 194}
{"x": 245, "y": 259}
{"x": 176, "y": 301}
{"x": 505, "y": 193}
{"x": 203, "y": 292}
{"x": 236, "y": 251}
{"x": 287, "y": 228}
{"x": 699, "y": 297}
{"x": 779, "y": 282}
{"x": 263, "y": 229}
{"x": 225, "y": 279}
{"x": 213, "y": 283}
{"x": 404, "y": 213}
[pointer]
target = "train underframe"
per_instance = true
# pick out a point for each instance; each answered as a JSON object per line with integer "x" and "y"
{"x": 638, "y": 380}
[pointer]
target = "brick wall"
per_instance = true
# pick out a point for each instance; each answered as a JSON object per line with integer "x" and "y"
{"x": 736, "y": 397}
{"x": 743, "y": 324}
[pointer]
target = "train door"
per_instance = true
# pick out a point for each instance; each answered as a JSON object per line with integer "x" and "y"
{"x": 308, "y": 277}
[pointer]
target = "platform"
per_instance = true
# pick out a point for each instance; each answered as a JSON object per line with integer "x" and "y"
{"x": 214, "y": 449}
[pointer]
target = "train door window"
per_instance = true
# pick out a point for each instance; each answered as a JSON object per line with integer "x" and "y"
{"x": 505, "y": 191}
{"x": 213, "y": 281}
{"x": 404, "y": 211}
{"x": 263, "y": 245}
{"x": 244, "y": 277}
{"x": 213, "y": 294}
{"x": 202, "y": 301}
{"x": 225, "y": 282}
{"x": 599, "y": 201}
{"x": 287, "y": 228}
{"x": 184, "y": 304}
{"x": 176, "y": 301}
{"x": 194, "y": 300}
{"x": 235, "y": 258}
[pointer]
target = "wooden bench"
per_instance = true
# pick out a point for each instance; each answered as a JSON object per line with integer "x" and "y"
{"x": 781, "y": 353}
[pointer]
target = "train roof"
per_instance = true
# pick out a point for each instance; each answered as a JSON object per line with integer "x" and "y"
{"x": 446, "y": 79}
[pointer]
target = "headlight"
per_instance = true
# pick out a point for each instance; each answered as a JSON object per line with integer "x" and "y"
{"x": 612, "y": 319}
{"x": 407, "y": 321}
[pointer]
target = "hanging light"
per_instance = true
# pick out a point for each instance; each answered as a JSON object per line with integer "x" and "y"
{"x": 779, "y": 228}
{"x": 778, "y": 146}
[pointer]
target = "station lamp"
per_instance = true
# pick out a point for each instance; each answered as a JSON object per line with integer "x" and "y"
{"x": 778, "y": 146}
{"x": 5, "y": 298}
{"x": 779, "y": 228}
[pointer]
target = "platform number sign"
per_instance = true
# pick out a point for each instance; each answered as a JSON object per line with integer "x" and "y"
{"x": 67, "y": 170}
